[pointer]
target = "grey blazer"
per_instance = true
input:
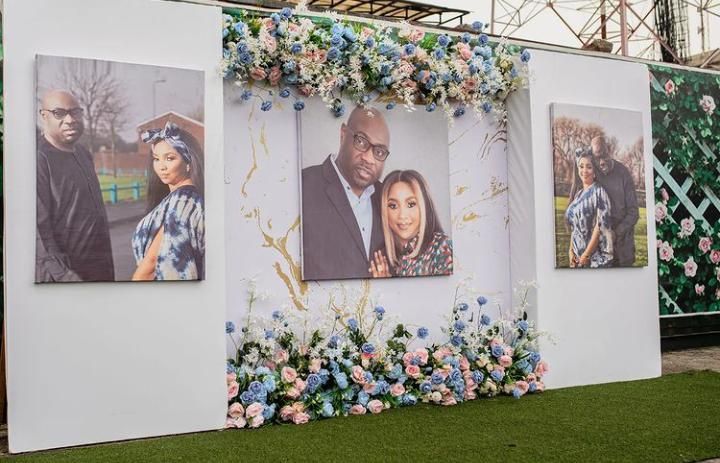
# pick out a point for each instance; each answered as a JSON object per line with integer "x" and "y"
{"x": 332, "y": 246}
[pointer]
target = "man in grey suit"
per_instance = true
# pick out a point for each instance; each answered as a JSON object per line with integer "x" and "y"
{"x": 624, "y": 213}
{"x": 341, "y": 225}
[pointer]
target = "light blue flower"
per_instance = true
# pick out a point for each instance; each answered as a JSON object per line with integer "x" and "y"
{"x": 446, "y": 77}
{"x": 485, "y": 319}
{"x": 483, "y": 39}
{"x": 349, "y": 34}
{"x": 462, "y": 307}
{"x": 262, "y": 371}
{"x": 466, "y": 38}
{"x": 275, "y": 18}
{"x": 226, "y": 32}
{"x": 477, "y": 26}
{"x": 379, "y": 312}
{"x": 443, "y": 40}
{"x": 431, "y": 107}
{"x": 276, "y": 314}
{"x": 425, "y": 387}
{"x": 299, "y": 105}
{"x": 266, "y": 105}
{"x": 487, "y": 67}
{"x": 286, "y": 13}
{"x": 525, "y": 56}
{"x": 337, "y": 41}
{"x": 334, "y": 367}
{"x": 281, "y": 30}
{"x": 390, "y": 106}
{"x": 497, "y": 375}
{"x": 247, "y": 397}
{"x": 256, "y": 387}
{"x": 229, "y": 327}
{"x": 523, "y": 326}
{"x": 459, "y": 325}
{"x": 477, "y": 51}
{"x": 386, "y": 82}
{"x": 348, "y": 363}
{"x": 368, "y": 377}
{"x": 288, "y": 66}
{"x": 333, "y": 54}
{"x": 423, "y": 332}
{"x": 408, "y": 399}
{"x": 517, "y": 393}
{"x": 269, "y": 383}
{"x": 487, "y": 107}
{"x": 229, "y": 368}
{"x": 296, "y": 48}
{"x": 484, "y": 88}
{"x": 381, "y": 387}
{"x": 352, "y": 324}
{"x": 338, "y": 110}
{"x": 337, "y": 29}
{"x": 524, "y": 366}
{"x": 313, "y": 382}
{"x": 327, "y": 410}
{"x": 456, "y": 375}
{"x": 497, "y": 351}
{"x": 478, "y": 376}
{"x": 363, "y": 398}
{"x": 409, "y": 49}
{"x": 291, "y": 78}
{"x": 396, "y": 371}
{"x": 239, "y": 28}
{"x": 341, "y": 380}
{"x": 284, "y": 93}
{"x": 367, "y": 348}
{"x": 269, "y": 412}
{"x": 535, "y": 357}
{"x": 456, "y": 340}
{"x": 460, "y": 111}
{"x": 245, "y": 58}
{"x": 324, "y": 375}
{"x": 333, "y": 341}
{"x": 437, "y": 378}
{"x": 439, "y": 53}
{"x": 370, "y": 42}
{"x": 385, "y": 49}
{"x": 533, "y": 386}
{"x": 269, "y": 334}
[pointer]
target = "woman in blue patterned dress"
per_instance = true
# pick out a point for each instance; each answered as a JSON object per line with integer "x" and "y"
{"x": 169, "y": 242}
{"x": 588, "y": 215}
{"x": 415, "y": 243}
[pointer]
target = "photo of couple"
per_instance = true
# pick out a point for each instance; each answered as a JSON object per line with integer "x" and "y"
{"x": 599, "y": 179}
{"x": 375, "y": 197}
{"x": 120, "y": 175}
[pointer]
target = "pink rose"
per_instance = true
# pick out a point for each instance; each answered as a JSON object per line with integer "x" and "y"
{"x": 699, "y": 289}
{"x": 464, "y": 51}
{"x": 523, "y": 386}
{"x": 286, "y": 413}
{"x": 687, "y": 226}
{"x": 357, "y": 409}
{"x": 540, "y": 386}
{"x": 270, "y": 365}
{"x": 257, "y": 421}
{"x": 469, "y": 395}
{"x": 530, "y": 378}
{"x": 705, "y": 244}
{"x": 665, "y": 251}
{"x": 235, "y": 422}
{"x": 664, "y": 195}
{"x": 541, "y": 368}
{"x": 299, "y": 384}
{"x": 300, "y": 418}
{"x": 422, "y": 354}
{"x": 233, "y": 389}
{"x": 292, "y": 393}
{"x": 288, "y": 374}
{"x": 258, "y": 74}
{"x": 299, "y": 407}
{"x": 715, "y": 256}
{"x": 275, "y": 75}
{"x": 235, "y": 410}
{"x": 670, "y": 87}
{"x": 505, "y": 361}
{"x": 366, "y": 32}
{"x": 358, "y": 374}
{"x": 416, "y": 35}
{"x": 254, "y": 409}
{"x": 413, "y": 371}
{"x": 707, "y": 103}
{"x": 268, "y": 24}
{"x": 293, "y": 29}
{"x": 660, "y": 212}
{"x": 369, "y": 388}
{"x": 282, "y": 356}
{"x": 407, "y": 358}
{"x": 230, "y": 377}
{"x": 441, "y": 353}
{"x": 449, "y": 400}
{"x": 470, "y": 384}
{"x": 375, "y": 406}
{"x": 421, "y": 54}
{"x": 464, "y": 363}
{"x": 509, "y": 351}
{"x": 315, "y": 365}
{"x": 405, "y": 68}
{"x": 690, "y": 267}
{"x": 397, "y": 390}
{"x": 268, "y": 42}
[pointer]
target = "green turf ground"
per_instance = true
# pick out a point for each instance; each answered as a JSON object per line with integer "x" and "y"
{"x": 562, "y": 242}
{"x": 122, "y": 181}
{"x": 674, "y": 418}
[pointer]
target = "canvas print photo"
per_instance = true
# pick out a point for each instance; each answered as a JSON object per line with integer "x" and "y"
{"x": 599, "y": 181}
{"x": 375, "y": 193}
{"x": 120, "y": 172}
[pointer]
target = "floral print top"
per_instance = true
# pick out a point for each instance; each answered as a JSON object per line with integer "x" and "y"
{"x": 590, "y": 207}
{"x": 182, "y": 251}
{"x": 436, "y": 259}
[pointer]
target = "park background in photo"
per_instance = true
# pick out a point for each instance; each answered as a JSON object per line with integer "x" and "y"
{"x": 418, "y": 141}
{"x": 573, "y": 127}
{"x": 121, "y": 100}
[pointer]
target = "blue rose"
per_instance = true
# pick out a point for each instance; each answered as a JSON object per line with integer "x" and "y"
{"x": 296, "y": 48}
{"x": 466, "y": 38}
{"x": 477, "y": 51}
{"x": 409, "y": 49}
{"x": 257, "y": 388}
{"x": 229, "y": 368}
{"x": 324, "y": 375}
{"x": 396, "y": 371}
{"x": 423, "y": 332}
{"x": 497, "y": 351}
{"x": 431, "y": 107}
{"x": 327, "y": 410}
{"x": 516, "y": 393}
{"x": 266, "y": 105}
{"x": 439, "y": 53}
{"x": 437, "y": 378}
{"x": 370, "y": 42}
{"x": 533, "y": 386}
{"x": 477, "y": 26}
{"x": 269, "y": 383}
{"x": 456, "y": 375}
{"x": 485, "y": 319}
{"x": 349, "y": 34}
{"x": 229, "y": 327}
{"x": 535, "y": 357}
{"x": 487, "y": 67}
{"x": 337, "y": 29}
{"x": 367, "y": 348}
{"x": 288, "y": 66}
{"x": 497, "y": 375}
{"x": 275, "y": 18}
{"x": 334, "y": 367}
{"x": 239, "y": 28}
{"x": 341, "y": 380}
{"x": 313, "y": 382}
{"x": 333, "y": 54}
{"x": 284, "y": 93}
{"x": 408, "y": 399}
{"x": 460, "y": 111}
{"x": 389, "y": 107}
{"x": 459, "y": 325}
{"x": 269, "y": 412}
{"x": 487, "y": 107}
{"x": 483, "y": 39}
{"x": 443, "y": 40}
{"x": 382, "y": 387}
{"x": 299, "y": 105}
{"x": 337, "y": 41}
{"x": 478, "y": 376}
{"x": 245, "y": 58}
{"x": 523, "y": 326}
{"x": 352, "y": 324}
{"x": 363, "y": 398}
{"x": 247, "y": 397}
{"x": 261, "y": 371}
{"x": 525, "y": 56}
{"x": 456, "y": 340}
{"x": 286, "y": 13}
{"x": 425, "y": 387}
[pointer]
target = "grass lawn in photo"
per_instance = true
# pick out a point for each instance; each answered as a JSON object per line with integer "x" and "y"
{"x": 562, "y": 235}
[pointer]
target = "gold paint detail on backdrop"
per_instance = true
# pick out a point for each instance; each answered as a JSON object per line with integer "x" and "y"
{"x": 470, "y": 216}
{"x": 254, "y": 166}
{"x": 460, "y": 189}
{"x": 292, "y": 275}
{"x": 498, "y": 137}
{"x": 467, "y": 214}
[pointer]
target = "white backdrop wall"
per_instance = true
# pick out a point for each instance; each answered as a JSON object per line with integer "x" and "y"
{"x": 603, "y": 323}
{"x": 90, "y": 362}
{"x": 263, "y": 209}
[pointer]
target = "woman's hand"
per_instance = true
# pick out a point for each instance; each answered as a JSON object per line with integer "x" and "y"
{"x": 572, "y": 258}
{"x": 584, "y": 261}
{"x": 379, "y": 267}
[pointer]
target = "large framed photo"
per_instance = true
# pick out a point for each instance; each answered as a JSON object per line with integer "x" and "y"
{"x": 599, "y": 181}
{"x": 375, "y": 192}
{"x": 120, "y": 171}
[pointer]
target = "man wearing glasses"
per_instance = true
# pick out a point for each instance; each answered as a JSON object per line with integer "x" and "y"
{"x": 341, "y": 224}
{"x": 73, "y": 237}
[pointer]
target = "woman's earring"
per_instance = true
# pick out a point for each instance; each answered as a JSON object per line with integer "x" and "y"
{"x": 187, "y": 168}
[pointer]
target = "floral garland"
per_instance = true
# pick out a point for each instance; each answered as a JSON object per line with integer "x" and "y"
{"x": 355, "y": 365}
{"x": 683, "y": 107}
{"x": 296, "y": 56}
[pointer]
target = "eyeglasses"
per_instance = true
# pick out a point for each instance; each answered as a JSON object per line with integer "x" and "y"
{"x": 61, "y": 113}
{"x": 363, "y": 144}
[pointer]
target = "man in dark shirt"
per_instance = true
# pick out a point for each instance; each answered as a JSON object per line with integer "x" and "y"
{"x": 624, "y": 213}
{"x": 73, "y": 237}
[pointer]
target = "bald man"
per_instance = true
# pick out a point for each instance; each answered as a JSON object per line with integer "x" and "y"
{"x": 73, "y": 237}
{"x": 341, "y": 225}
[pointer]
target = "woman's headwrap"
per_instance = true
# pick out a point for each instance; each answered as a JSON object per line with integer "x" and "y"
{"x": 170, "y": 134}
{"x": 583, "y": 153}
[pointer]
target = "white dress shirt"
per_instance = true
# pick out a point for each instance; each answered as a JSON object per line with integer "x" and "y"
{"x": 361, "y": 207}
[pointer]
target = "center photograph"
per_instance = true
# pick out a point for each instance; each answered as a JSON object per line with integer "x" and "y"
{"x": 375, "y": 194}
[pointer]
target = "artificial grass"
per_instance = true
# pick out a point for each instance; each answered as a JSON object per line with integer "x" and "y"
{"x": 674, "y": 418}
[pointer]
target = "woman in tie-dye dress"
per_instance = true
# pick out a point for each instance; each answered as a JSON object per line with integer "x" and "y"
{"x": 169, "y": 242}
{"x": 588, "y": 215}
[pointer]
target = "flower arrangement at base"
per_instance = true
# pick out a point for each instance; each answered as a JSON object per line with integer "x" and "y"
{"x": 286, "y": 54}
{"x": 358, "y": 365}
